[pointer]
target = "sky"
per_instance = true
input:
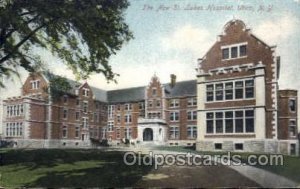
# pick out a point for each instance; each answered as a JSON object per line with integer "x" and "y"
{"x": 170, "y": 35}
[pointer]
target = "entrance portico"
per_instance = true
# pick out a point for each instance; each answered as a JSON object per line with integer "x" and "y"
{"x": 152, "y": 131}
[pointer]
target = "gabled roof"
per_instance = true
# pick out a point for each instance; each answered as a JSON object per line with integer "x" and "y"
{"x": 182, "y": 88}
{"x": 100, "y": 95}
{"x": 126, "y": 95}
{"x": 135, "y": 94}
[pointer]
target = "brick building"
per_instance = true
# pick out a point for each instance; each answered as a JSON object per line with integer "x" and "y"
{"x": 239, "y": 104}
{"x": 234, "y": 104}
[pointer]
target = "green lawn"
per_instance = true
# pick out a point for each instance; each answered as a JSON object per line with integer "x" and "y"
{"x": 290, "y": 168}
{"x": 67, "y": 168}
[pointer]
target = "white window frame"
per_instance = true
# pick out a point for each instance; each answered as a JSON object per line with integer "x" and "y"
{"x": 233, "y": 90}
{"x": 174, "y": 103}
{"x": 172, "y": 116}
{"x": 128, "y": 118}
{"x": 35, "y": 84}
{"x": 128, "y": 107}
{"x": 294, "y": 125}
{"x": 86, "y": 92}
{"x": 173, "y": 130}
{"x": 111, "y": 110}
{"x": 193, "y": 113}
{"x": 192, "y": 101}
{"x": 110, "y": 126}
{"x": 292, "y": 99}
{"x": 229, "y": 47}
{"x": 233, "y": 118}
{"x": 192, "y": 129}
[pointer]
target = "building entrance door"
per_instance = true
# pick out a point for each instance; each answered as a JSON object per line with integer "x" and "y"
{"x": 148, "y": 134}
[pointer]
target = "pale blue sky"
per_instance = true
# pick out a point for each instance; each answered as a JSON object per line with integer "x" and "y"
{"x": 170, "y": 41}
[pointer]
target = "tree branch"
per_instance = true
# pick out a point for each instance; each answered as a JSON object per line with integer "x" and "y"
{"x": 6, "y": 57}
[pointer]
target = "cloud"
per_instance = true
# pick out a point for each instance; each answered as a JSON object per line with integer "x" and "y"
{"x": 274, "y": 31}
{"x": 189, "y": 38}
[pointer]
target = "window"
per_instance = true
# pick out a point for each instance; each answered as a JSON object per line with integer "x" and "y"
{"x": 292, "y": 105}
{"x": 150, "y": 103}
{"x": 219, "y": 91}
{"x": 35, "y": 84}
{"x": 239, "y": 90}
{"x": 192, "y": 132}
{"x": 64, "y": 132}
{"x": 209, "y": 93}
{"x": 249, "y": 87}
{"x": 225, "y": 53}
{"x": 210, "y": 122}
{"x": 174, "y": 103}
{"x": 85, "y": 122}
{"x": 141, "y": 106}
{"x": 127, "y": 133}
{"x": 192, "y": 115}
{"x": 110, "y": 126}
{"x": 85, "y": 106}
{"x": 292, "y": 128}
{"x": 118, "y": 133}
{"x": 118, "y": 118}
{"x": 154, "y": 92}
{"x": 243, "y": 50}
{"x": 174, "y": 132}
{"x": 239, "y": 125}
{"x": 128, "y": 118}
{"x": 229, "y": 91}
{"x": 239, "y": 146}
{"x": 15, "y": 110}
{"x": 228, "y": 122}
{"x": 128, "y": 107}
{"x": 174, "y": 116}
{"x": 219, "y": 122}
{"x": 158, "y": 103}
{"x": 111, "y": 109}
{"x": 65, "y": 114}
{"x": 119, "y": 107}
{"x": 234, "y": 51}
{"x": 77, "y": 115}
{"x": 77, "y": 102}
{"x": 77, "y": 132}
{"x": 14, "y": 129}
{"x": 192, "y": 101}
{"x": 85, "y": 92}
{"x": 249, "y": 118}
{"x": 218, "y": 146}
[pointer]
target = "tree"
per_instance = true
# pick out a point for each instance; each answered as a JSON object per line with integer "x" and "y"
{"x": 82, "y": 33}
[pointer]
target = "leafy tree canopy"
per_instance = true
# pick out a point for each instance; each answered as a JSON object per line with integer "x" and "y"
{"x": 58, "y": 86}
{"x": 82, "y": 33}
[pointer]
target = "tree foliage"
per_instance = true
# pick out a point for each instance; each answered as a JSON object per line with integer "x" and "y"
{"x": 58, "y": 86}
{"x": 82, "y": 33}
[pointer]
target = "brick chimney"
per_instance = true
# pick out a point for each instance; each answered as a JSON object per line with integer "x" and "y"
{"x": 173, "y": 80}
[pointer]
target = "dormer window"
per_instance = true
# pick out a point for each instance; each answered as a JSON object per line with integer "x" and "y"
{"x": 35, "y": 84}
{"x": 85, "y": 92}
{"x": 234, "y": 51}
